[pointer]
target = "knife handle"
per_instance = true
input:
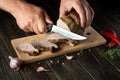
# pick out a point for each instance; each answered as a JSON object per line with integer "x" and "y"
{"x": 49, "y": 27}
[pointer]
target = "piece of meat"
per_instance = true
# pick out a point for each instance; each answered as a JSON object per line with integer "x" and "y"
{"x": 28, "y": 48}
{"x": 74, "y": 15}
{"x": 57, "y": 38}
{"x": 72, "y": 42}
{"x": 45, "y": 45}
{"x": 71, "y": 22}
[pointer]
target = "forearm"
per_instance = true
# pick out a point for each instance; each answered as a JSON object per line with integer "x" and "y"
{"x": 10, "y": 5}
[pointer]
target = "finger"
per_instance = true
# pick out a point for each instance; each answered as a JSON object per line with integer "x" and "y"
{"x": 35, "y": 29}
{"x": 63, "y": 13}
{"x": 88, "y": 15}
{"x": 38, "y": 27}
{"x": 92, "y": 11}
{"x": 47, "y": 19}
{"x": 42, "y": 26}
{"x": 92, "y": 14}
{"x": 82, "y": 14}
{"x": 30, "y": 27}
{"x": 24, "y": 28}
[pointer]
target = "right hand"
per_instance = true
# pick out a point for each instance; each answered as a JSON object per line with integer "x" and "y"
{"x": 82, "y": 7}
{"x": 31, "y": 18}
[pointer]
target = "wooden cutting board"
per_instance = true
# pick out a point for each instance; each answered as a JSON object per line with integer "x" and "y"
{"x": 93, "y": 39}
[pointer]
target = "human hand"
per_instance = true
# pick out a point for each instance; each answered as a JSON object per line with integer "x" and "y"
{"x": 31, "y": 18}
{"x": 82, "y": 7}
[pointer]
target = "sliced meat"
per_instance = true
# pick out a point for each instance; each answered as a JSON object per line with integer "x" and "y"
{"x": 45, "y": 45}
{"x": 57, "y": 38}
{"x": 72, "y": 42}
{"x": 28, "y": 48}
{"x": 55, "y": 35}
{"x": 70, "y": 22}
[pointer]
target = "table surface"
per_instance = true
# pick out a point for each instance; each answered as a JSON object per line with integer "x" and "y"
{"x": 88, "y": 64}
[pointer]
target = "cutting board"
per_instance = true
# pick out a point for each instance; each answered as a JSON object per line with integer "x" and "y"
{"x": 93, "y": 39}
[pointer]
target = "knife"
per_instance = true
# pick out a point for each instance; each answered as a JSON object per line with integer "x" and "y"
{"x": 65, "y": 33}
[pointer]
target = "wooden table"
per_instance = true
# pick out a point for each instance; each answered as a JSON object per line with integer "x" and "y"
{"x": 90, "y": 64}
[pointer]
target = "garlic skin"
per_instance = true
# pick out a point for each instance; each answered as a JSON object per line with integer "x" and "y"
{"x": 15, "y": 63}
{"x": 69, "y": 57}
{"x": 41, "y": 69}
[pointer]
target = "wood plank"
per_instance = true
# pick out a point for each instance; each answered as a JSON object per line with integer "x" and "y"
{"x": 61, "y": 72}
{"x": 98, "y": 66}
{"x": 61, "y": 67}
{"x": 78, "y": 71}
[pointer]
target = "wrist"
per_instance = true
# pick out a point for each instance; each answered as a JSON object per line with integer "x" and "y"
{"x": 10, "y": 5}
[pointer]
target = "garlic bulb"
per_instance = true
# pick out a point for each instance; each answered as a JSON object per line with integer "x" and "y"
{"x": 15, "y": 63}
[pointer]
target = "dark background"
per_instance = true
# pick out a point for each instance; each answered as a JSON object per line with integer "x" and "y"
{"x": 100, "y": 7}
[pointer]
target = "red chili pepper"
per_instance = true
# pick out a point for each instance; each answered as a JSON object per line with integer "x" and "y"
{"x": 113, "y": 32}
{"x": 112, "y": 43}
{"x": 113, "y": 36}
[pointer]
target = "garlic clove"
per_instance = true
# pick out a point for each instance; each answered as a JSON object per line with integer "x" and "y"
{"x": 41, "y": 69}
{"x": 69, "y": 57}
{"x": 15, "y": 63}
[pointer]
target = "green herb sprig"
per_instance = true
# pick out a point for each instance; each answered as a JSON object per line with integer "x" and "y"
{"x": 113, "y": 53}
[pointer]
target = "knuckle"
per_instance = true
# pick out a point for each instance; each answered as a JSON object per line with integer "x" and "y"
{"x": 36, "y": 16}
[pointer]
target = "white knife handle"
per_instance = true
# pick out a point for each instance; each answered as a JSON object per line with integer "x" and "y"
{"x": 49, "y": 27}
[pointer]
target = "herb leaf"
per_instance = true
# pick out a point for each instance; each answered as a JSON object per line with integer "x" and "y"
{"x": 113, "y": 53}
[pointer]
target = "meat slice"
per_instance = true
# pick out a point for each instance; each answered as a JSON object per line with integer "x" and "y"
{"x": 45, "y": 45}
{"x": 28, "y": 48}
{"x": 72, "y": 42}
{"x": 57, "y": 38}
{"x": 71, "y": 23}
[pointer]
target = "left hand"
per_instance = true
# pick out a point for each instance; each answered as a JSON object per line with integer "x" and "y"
{"x": 82, "y": 7}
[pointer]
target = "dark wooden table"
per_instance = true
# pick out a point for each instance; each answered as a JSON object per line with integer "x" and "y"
{"x": 90, "y": 64}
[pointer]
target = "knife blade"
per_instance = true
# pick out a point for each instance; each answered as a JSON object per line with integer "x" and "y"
{"x": 65, "y": 33}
